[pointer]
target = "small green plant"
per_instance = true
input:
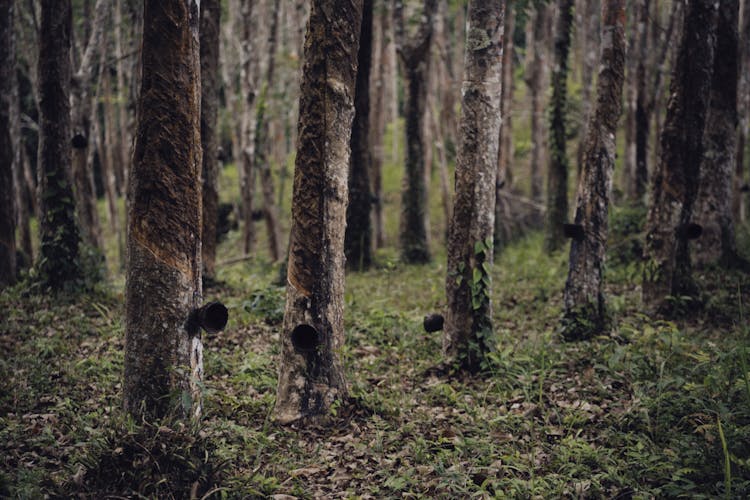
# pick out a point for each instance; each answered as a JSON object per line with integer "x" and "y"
{"x": 267, "y": 304}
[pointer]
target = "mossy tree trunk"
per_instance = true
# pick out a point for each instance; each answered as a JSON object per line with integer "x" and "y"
{"x": 667, "y": 270}
{"x": 358, "y": 239}
{"x": 59, "y": 262}
{"x": 414, "y": 54}
{"x": 557, "y": 173}
{"x": 713, "y": 209}
{"x": 163, "y": 350}
{"x": 468, "y": 321}
{"x": 311, "y": 376}
{"x": 209, "y": 55}
{"x": 585, "y": 313}
{"x": 7, "y": 145}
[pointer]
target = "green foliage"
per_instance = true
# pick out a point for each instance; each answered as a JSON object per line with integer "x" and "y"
{"x": 267, "y": 304}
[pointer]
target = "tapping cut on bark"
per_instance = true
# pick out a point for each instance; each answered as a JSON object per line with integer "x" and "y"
{"x": 311, "y": 376}
{"x": 667, "y": 272}
{"x": 163, "y": 355}
{"x": 585, "y": 313}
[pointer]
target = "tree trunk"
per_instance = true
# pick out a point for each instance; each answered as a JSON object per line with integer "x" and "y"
{"x": 468, "y": 322}
{"x": 639, "y": 181}
{"x": 109, "y": 153}
{"x": 358, "y": 239}
{"x": 414, "y": 56}
{"x": 740, "y": 196}
{"x": 247, "y": 136}
{"x": 536, "y": 83}
{"x": 669, "y": 223}
{"x": 163, "y": 349}
{"x": 209, "y": 56}
{"x": 311, "y": 376}
{"x": 589, "y": 44}
{"x": 505, "y": 149}
{"x": 382, "y": 42}
{"x": 263, "y": 143}
{"x": 557, "y": 174}
{"x": 82, "y": 114}
{"x": 713, "y": 207}
{"x": 7, "y": 145}
{"x": 585, "y": 313}
{"x": 59, "y": 264}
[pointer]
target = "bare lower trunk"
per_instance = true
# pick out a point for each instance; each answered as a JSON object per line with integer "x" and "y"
{"x": 468, "y": 322}
{"x": 311, "y": 376}
{"x": 557, "y": 174}
{"x": 670, "y": 217}
{"x": 8, "y": 145}
{"x": 713, "y": 207}
{"x": 639, "y": 181}
{"x": 743, "y": 106}
{"x": 381, "y": 44}
{"x": 163, "y": 349}
{"x": 59, "y": 264}
{"x": 585, "y": 313}
{"x": 209, "y": 55}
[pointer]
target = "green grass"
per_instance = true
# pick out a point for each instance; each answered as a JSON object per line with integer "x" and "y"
{"x": 634, "y": 412}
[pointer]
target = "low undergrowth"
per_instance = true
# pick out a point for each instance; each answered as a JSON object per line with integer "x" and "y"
{"x": 650, "y": 408}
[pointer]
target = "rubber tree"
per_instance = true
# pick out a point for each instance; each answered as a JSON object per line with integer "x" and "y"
{"x": 414, "y": 53}
{"x": 311, "y": 376}
{"x": 209, "y": 61}
{"x": 713, "y": 210}
{"x": 7, "y": 145}
{"x": 59, "y": 263}
{"x": 358, "y": 238}
{"x": 585, "y": 313}
{"x": 468, "y": 322}
{"x": 163, "y": 348}
{"x": 557, "y": 173}
{"x": 669, "y": 224}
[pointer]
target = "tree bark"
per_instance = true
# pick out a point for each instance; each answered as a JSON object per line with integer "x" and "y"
{"x": 262, "y": 160}
{"x": 504, "y": 178}
{"x": 713, "y": 207}
{"x": 537, "y": 70}
{"x": 109, "y": 153}
{"x": 585, "y": 313}
{"x": 639, "y": 182}
{"x": 414, "y": 56}
{"x": 667, "y": 271}
{"x": 248, "y": 128}
{"x": 163, "y": 349}
{"x": 557, "y": 174}
{"x": 311, "y": 377}
{"x": 468, "y": 322}
{"x": 82, "y": 114}
{"x": 589, "y": 44}
{"x": 7, "y": 145}
{"x": 358, "y": 238}
{"x": 209, "y": 59}
{"x": 59, "y": 264}
{"x": 740, "y": 197}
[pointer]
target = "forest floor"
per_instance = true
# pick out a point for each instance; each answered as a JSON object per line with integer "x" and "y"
{"x": 652, "y": 408}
